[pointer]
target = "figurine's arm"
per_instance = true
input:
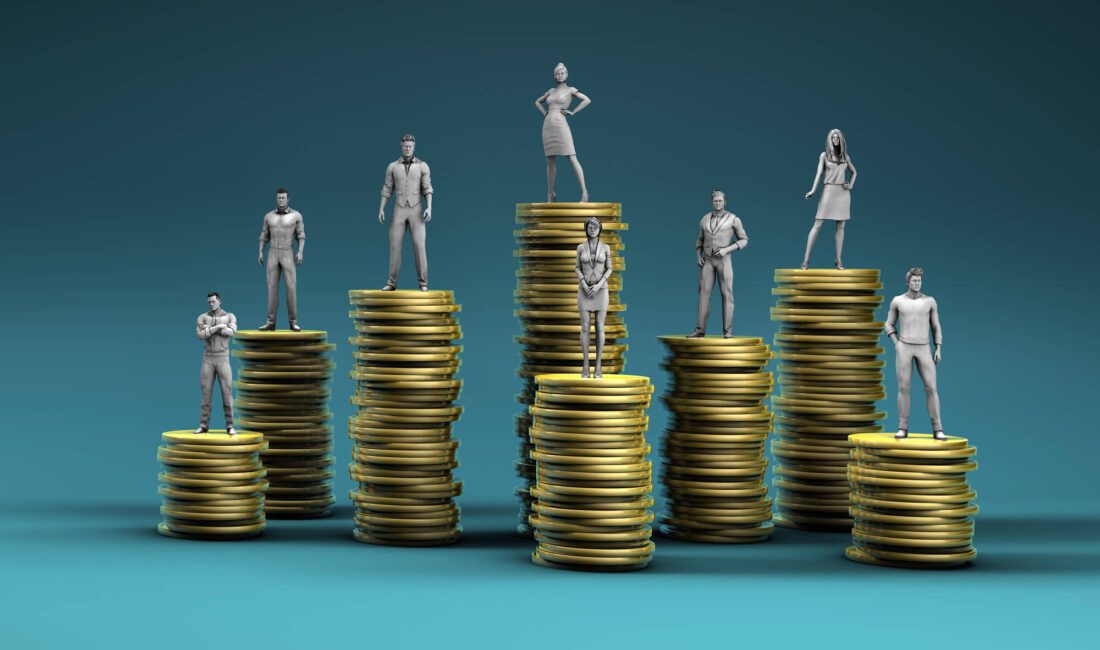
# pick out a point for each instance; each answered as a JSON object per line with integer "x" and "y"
{"x": 937, "y": 332}
{"x": 538, "y": 103}
{"x": 300, "y": 235}
{"x": 851, "y": 181}
{"x": 585, "y": 101}
{"x": 817, "y": 175}
{"x": 699, "y": 245}
{"x": 606, "y": 265}
{"x": 387, "y": 192}
{"x": 203, "y": 330}
{"x": 230, "y": 328}
{"x": 891, "y": 321}
{"x": 742, "y": 238}
{"x": 426, "y": 189}
{"x": 580, "y": 273}
{"x": 265, "y": 236}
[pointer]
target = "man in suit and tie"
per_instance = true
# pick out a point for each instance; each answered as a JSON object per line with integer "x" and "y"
{"x": 407, "y": 179}
{"x": 712, "y": 251}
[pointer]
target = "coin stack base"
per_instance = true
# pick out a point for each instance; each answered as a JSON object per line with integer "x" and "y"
{"x": 830, "y": 373}
{"x": 714, "y": 447}
{"x": 404, "y": 454}
{"x": 283, "y": 392}
{"x": 911, "y": 502}
{"x": 546, "y": 292}
{"x": 213, "y": 485}
{"x": 593, "y": 482}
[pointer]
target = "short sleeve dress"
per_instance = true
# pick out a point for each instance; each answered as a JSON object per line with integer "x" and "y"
{"x": 557, "y": 139}
{"x": 836, "y": 202}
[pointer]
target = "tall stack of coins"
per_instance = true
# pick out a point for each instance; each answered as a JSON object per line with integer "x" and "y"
{"x": 714, "y": 447}
{"x": 830, "y": 372}
{"x": 593, "y": 482}
{"x": 403, "y": 452}
{"x": 911, "y": 501}
{"x": 283, "y": 392}
{"x": 546, "y": 291}
{"x": 212, "y": 484}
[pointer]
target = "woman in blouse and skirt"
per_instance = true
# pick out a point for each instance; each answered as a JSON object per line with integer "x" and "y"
{"x": 836, "y": 198}
{"x": 557, "y": 139}
{"x": 593, "y": 272}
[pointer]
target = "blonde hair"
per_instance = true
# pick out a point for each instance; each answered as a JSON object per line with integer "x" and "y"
{"x": 830, "y": 151}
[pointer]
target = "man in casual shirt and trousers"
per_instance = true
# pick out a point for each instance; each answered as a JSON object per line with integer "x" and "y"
{"x": 911, "y": 315}
{"x": 215, "y": 328}
{"x": 281, "y": 227}
{"x": 712, "y": 251}
{"x": 407, "y": 178}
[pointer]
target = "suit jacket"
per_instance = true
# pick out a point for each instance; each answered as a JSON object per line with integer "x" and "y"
{"x": 407, "y": 183}
{"x": 720, "y": 235}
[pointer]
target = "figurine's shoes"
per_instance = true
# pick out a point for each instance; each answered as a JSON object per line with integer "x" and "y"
{"x": 231, "y": 431}
{"x": 939, "y": 435}
{"x": 389, "y": 287}
{"x": 267, "y": 327}
{"x": 838, "y": 266}
{"x": 804, "y": 266}
{"x": 201, "y": 430}
{"x": 727, "y": 334}
{"x": 902, "y": 433}
{"x": 697, "y": 334}
{"x": 584, "y": 197}
{"x": 294, "y": 326}
{"x": 423, "y": 287}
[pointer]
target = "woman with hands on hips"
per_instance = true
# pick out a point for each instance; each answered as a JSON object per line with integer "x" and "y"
{"x": 836, "y": 199}
{"x": 593, "y": 273}
{"x": 557, "y": 139}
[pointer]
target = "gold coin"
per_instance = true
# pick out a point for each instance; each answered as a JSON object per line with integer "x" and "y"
{"x": 280, "y": 335}
{"x": 915, "y": 441}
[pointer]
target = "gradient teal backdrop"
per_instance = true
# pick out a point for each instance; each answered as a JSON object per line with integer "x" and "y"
{"x": 142, "y": 143}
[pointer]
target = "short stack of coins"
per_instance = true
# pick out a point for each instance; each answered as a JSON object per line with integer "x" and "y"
{"x": 830, "y": 372}
{"x": 283, "y": 392}
{"x": 713, "y": 451}
{"x": 403, "y": 456}
{"x": 213, "y": 485}
{"x": 546, "y": 292}
{"x": 593, "y": 483}
{"x": 911, "y": 501}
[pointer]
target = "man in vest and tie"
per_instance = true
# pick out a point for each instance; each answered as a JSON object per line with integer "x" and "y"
{"x": 717, "y": 241}
{"x": 407, "y": 179}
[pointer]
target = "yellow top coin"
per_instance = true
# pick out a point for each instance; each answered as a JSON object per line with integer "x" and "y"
{"x": 795, "y": 273}
{"x": 736, "y": 341}
{"x": 403, "y": 294}
{"x": 281, "y": 335}
{"x": 214, "y": 437}
{"x": 914, "y": 441}
{"x": 571, "y": 379}
{"x": 566, "y": 205}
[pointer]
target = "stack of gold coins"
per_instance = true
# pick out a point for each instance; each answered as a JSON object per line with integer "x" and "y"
{"x": 403, "y": 452}
{"x": 830, "y": 372}
{"x": 911, "y": 501}
{"x": 546, "y": 292}
{"x": 714, "y": 447}
{"x": 593, "y": 482}
{"x": 213, "y": 485}
{"x": 283, "y": 392}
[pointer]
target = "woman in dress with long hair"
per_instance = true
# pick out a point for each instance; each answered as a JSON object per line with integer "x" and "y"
{"x": 593, "y": 273}
{"x": 557, "y": 139}
{"x": 836, "y": 198}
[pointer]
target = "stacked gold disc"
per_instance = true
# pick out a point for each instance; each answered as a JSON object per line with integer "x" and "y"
{"x": 283, "y": 392}
{"x": 593, "y": 482}
{"x": 830, "y": 371}
{"x": 403, "y": 452}
{"x": 714, "y": 447}
{"x": 911, "y": 501}
{"x": 546, "y": 291}
{"x": 213, "y": 485}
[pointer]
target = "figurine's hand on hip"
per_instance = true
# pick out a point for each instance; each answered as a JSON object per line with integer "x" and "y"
{"x": 566, "y": 111}
{"x": 847, "y": 186}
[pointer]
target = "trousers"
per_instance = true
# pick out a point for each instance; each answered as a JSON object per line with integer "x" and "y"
{"x": 722, "y": 269}
{"x": 281, "y": 261}
{"x": 216, "y": 366}
{"x": 907, "y": 355}
{"x": 409, "y": 218}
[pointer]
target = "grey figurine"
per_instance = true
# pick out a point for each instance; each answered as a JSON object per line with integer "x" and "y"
{"x": 912, "y": 314}
{"x": 557, "y": 139}
{"x": 407, "y": 179}
{"x": 720, "y": 234}
{"x": 593, "y": 273}
{"x": 215, "y": 327}
{"x": 281, "y": 227}
{"x": 836, "y": 198}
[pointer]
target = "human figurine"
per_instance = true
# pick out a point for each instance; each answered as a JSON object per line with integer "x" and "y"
{"x": 281, "y": 227}
{"x": 557, "y": 139}
{"x": 720, "y": 233}
{"x": 593, "y": 272}
{"x": 836, "y": 198}
{"x": 409, "y": 178}
{"x": 215, "y": 328}
{"x": 911, "y": 315}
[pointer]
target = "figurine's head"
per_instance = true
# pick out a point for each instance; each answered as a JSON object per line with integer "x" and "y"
{"x": 561, "y": 73}
{"x": 282, "y": 198}
{"x": 408, "y": 146}
{"x": 718, "y": 200}
{"x": 593, "y": 227}
{"x": 835, "y": 147}
{"x": 214, "y": 300}
{"x": 915, "y": 278}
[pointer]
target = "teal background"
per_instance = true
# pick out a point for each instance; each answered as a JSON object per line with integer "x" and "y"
{"x": 141, "y": 144}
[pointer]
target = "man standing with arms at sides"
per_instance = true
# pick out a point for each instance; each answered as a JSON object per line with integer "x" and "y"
{"x": 407, "y": 179}
{"x": 911, "y": 315}
{"x": 712, "y": 252}
{"x": 281, "y": 227}
{"x": 215, "y": 328}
